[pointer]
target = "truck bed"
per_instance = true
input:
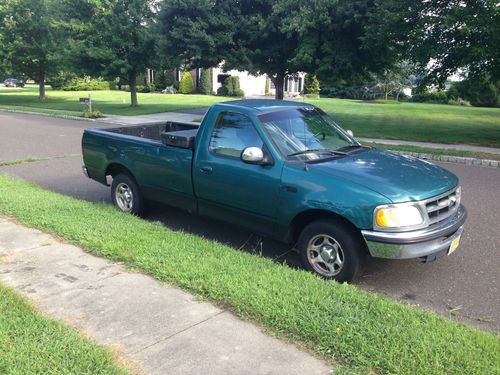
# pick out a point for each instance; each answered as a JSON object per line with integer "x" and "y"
{"x": 178, "y": 134}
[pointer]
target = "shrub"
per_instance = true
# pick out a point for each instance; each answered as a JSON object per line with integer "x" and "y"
{"x": 163, "y": 79}
{"x": 86, "y": 84}
{"x": 61, "y": 79}
{"x": 169, "y": 90}
{"x": 222, "y": 91}
{"x": 437, "y": 97}
{"x": 186, "y": 86}
{"x": 266, "y": 87}
{"x": 459, "y": 101}
{"x": 206, "y": 82}
{"x": 231, "y": 87}
{"x": 93, "y": 114}
{"x": 311, "y": 85}
{"x": 479, "y": 90}
{"x": 238, "y": 92}
{"x": 150, "y": 87}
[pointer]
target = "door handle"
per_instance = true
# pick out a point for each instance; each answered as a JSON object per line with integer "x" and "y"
{"x": 206, "y": 170}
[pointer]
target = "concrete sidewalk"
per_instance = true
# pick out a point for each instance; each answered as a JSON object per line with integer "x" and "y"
{"x": 156, "y": 328}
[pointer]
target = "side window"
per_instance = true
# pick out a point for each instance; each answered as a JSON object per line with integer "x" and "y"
{"x": 232, "y": 133}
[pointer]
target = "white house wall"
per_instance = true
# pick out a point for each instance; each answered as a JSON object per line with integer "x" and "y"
{"x": 251, "y": 85}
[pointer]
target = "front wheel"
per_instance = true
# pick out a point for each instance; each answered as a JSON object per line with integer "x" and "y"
{"x": 126, "y": 195}
{"x": 331, "y": 250}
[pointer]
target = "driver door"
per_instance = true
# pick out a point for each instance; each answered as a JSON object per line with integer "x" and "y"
{"x": 230, "y": 189}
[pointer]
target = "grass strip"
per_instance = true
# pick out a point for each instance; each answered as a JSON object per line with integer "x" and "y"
{"x": 435, "y": 151}
{"x": 31, "y": 159}
{"x": 33, "y": 344}
{"x": 360, "y": 331}
{"x": 41, "y": 111}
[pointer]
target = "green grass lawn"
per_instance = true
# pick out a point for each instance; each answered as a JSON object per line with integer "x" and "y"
{"x": 406, "y": 121}
{"x": 33, "y": 344}
{"x": 360, "y": 331}
{"x": 109, "y": 102}
{"x": 416, "y": 121}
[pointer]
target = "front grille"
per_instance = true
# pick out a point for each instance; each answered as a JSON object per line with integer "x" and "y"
{"x": 442, "y": 206}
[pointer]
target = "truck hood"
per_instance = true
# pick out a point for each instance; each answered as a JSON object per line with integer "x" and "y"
{"x": 399, "y": 178}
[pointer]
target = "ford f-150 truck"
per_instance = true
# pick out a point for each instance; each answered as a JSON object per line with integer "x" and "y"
{"x": 288, "y": 171}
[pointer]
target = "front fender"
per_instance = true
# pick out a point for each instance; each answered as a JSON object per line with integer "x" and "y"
{"x": 307, "y": 190}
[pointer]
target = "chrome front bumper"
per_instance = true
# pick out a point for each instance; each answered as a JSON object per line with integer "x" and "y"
{"x": 434, "y": 239}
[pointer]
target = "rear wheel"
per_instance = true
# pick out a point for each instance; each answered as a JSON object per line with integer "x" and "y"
{"x": 331, "y": 250}
{"x": 126, "y": 195}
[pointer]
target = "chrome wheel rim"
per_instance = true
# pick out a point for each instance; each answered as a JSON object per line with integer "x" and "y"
{"x": 124, "y": 197}
{"x": 325, "y": 255}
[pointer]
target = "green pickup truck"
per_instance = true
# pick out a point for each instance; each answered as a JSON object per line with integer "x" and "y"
{"x": 285, "y": 170}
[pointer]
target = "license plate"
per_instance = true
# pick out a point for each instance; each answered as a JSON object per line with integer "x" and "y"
{"x": 454, "y": 245}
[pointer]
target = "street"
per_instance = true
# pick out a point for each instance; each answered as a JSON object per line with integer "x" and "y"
{"x": 464, "y": 286}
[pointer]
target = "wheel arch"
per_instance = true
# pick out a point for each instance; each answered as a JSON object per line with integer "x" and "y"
{"x": 304, "y": 218}
{"x": 114, "y": 168}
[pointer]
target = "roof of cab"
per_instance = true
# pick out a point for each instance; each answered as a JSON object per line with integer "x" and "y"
{"x": 264, "y": 105}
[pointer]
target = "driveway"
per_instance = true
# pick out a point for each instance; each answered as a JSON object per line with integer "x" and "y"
{"x": 464, "y": 286}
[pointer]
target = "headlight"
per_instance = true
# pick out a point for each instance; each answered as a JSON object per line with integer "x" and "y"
{"x": 395, "y": 216}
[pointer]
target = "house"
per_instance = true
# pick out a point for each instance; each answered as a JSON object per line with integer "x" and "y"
{"x": 250, "y": 84}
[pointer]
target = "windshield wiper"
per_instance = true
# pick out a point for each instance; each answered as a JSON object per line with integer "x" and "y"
{"x": 353, "y": 148}
{"x": 322, "y": 150}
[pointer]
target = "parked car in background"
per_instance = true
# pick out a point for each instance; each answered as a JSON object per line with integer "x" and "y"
{"x": 12, "y": 82}
{"x": 288, "y": 171}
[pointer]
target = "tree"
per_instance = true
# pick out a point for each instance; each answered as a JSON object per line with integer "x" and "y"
{"x": 243, "y": 35}
{"x": 186, "y": 86}
{"x": 395, "y": 79}
{"x": 29, "y": 39}
{"x": 446, "y": 36}
{"x": 331, "y": 39}
{"x": 112, "y": 39}
{"x": 206, "y": 82}
{"x": 272, "y": 37}
{"x": 311, "y": 85}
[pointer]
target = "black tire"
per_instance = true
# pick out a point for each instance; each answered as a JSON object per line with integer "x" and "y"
{"x": 126, "y": 195}
{"x": 331, "y": 250}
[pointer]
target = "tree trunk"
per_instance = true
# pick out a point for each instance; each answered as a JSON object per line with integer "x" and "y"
{"x": 279, "y": 84}
{"x": 41, "y": 84}
{"x": 386, "y": 93}
{"x": 397, "y": 95}
{"x": 133, "y": 89}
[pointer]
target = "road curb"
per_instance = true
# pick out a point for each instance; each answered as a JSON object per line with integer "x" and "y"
{"x": 452, "y": 159}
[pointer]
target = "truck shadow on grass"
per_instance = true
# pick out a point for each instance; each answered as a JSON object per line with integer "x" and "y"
{"x": 222, "y": 232}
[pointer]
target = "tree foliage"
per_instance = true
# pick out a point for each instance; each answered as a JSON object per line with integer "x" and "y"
{"x": 29, "y": 39}
{"x": 446, "y": 36}
{"x": 271, "y": 37}
{"x": 111, "y": 38}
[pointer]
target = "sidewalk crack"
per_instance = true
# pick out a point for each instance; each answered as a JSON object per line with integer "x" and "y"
{"x": 179, "y": 332}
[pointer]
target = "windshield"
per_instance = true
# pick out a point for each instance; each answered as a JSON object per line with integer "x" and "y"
{"x": 306, "y": 134}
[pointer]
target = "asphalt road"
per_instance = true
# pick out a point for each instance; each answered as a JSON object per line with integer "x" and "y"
{"x": 464, "y": 286}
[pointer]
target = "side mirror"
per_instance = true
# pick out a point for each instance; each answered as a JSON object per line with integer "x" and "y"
{"x": 350, "y": 133}
{"x": 252, "y": 155}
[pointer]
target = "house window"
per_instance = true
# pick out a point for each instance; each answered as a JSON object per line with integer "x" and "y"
{"x": 221, "y": 78}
